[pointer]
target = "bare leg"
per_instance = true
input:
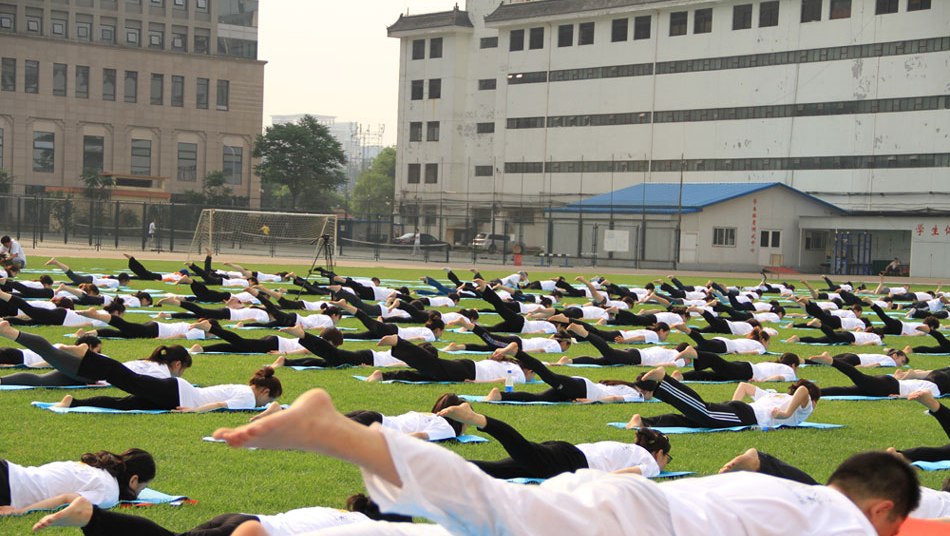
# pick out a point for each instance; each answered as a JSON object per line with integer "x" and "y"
{"x": 747, "y": 461}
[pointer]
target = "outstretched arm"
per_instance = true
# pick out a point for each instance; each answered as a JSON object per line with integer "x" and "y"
{"x": 799, "y": 400}
{"x": 743, "y": 390}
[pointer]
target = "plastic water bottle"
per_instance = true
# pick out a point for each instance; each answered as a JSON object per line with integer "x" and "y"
{"x": 510, "y": 381}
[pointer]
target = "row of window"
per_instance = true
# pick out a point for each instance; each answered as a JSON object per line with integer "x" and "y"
{"x": 791, "y": 57}
{"x": 416, "y": 88}
{"x": 925, "y": 160}
{"x": 419, "y": 48}
{"x": 93, "y": 157}
{"x": 432, "y": 130}
{"x": 725, "y": 237}
{"x": 414, "y": 173}
{"x": 870, "y": 106}
{"x": 130, "y": 84}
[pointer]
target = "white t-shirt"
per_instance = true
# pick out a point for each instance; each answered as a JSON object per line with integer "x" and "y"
{"x": 649, "y": 336}
{"x": 304, "y": 520}
{"x": 511, "y": 281}
{"x": 762, "y": 371}
{"x": 827, "y": 305}
{"x": 386, "y": 359}
{"x": 32, "y": 359}
{"x": 657, "y": 355}
{"x": 591, "y": 312}
{"x": 288, "y": 344}
{"x": 909, "y": 386}
{"x": 235, "y": 396}
{"x": 538, "y": 326}
{"x": 105, "y": 282}
{"x": 315, "y": 321}
{"x": 38, "y": 285}
{"x": 246, "y": 297}
{"x": 435, "y": 427}
{"x": 541, "y": 344}
{"x": 441, "y": 301}
{"x": 29, "y": 485}
{"x": 599, "y": 391}
{"x": 843, "y": 313}
{"x": 15, "y": 250}
{"x": 178, "y": 330}
{"x": 922, "y": 296}
{"x": 393, "y": 312}
{"x": 267, "y": 278}
{"x": 450, "y": 317}
{"x": 128, "y": 300}
{"x": 934, "y": 305}
{"x": 696, "y": 295}
{"x": 148, "y": 368}
{"x": 547, "y": 285}
{"x": 852, "y": 324}
{"x": 234, "y": 282}
{"x": 381, "y": 293}
{"x": 72, "y": 320}
{"x": 767, "y": 317}
{"x": 315, "y": 305}
{"x": 619, "y": 304}
{"x": 528, "y": 308}
{"x": 933, "y": 504}
{"x": 764, "y": 401}
{"x": 742, "y": 346}
{"x": 910, "y": 328}
{"x": 614, "y": 455}
{"x": 669, "y": 318}
{"x": 416, "y": 332}
{"x": 867, "y": 338}
{"x": 880, "y": 360}
{"x": 488, "y": 370}
{"x": 249, "y": 313}
{"x": 739, "y": 328}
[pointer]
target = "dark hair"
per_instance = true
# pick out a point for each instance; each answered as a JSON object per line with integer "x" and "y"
{"x": 946, "y": 484}
{"x": 894, "y": 352}
{"x": 123, "y": 277}
{"x": 333, "y": 336}
{"x": 117, "y": 307}
{"x": 448, "y": 400}
{"x": 857, "y": 308}
{"x": 941, "y": 378}
{"x": 123, "y": 467}
{"x": 617, "y": 382}
{"x": 652, "y": 440}
{"x": 333, "y": 310}
{"x": 375, "y": 280}
{"x": 680, "y": 310}
{"x": 649, "y": 286}
{"x": 251, "y": 280}
{"x": 5, "y": 239}
{"x": 470, "y": 314}
{"x": 364, "y": 505}
{"x": 865, "y": 321}
{"x": 682, "y": 346}
{"x": 790, "y": 359}
{"x": 779, "y": 310}
{"x": 574, "y": 313}
{"x": 454, "y": 296}
{"x": 434, "y": 313}
{"x": 814, "y": 392}
{"x": 837, "y": 301}
{"x": 143, "y": 297}
{"x": 435, "y": 323}
{"x": 89, "y": 288}
{"x": 418, "y": 304}
{"x": 760, "y": 335}
{"x": 563, "y": 336}
{"x": 877, "y": 331}
{"x": 932, "y": 322}
{"x": 64, "y": 303}
{"x": 545, "y": 301}
{"x": 878, "y": 475}
{"x": 660, "y": 326}
{"x": 265, "y": 379}
{"x": 91, "y": 340}
{"x": 167, "y": 355}
{"x": 46, "y": 279}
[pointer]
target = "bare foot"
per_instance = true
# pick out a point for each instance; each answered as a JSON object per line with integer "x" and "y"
{"x": 635, "y": 422}
{"x": 279, "y": 362}
{"x": 8, "y": 331}
{"x": 564, "y": 361}
{"x": 77, "y": 514}
{"x": 747, "y": 461}
{"x": 80, "y": 333}
{"x": 388, "y": 340}
{"x": 75, "y": 350}
{"x": 494, "y": 395}
{"x": 908, "y": 350}
{"x": 454, "y": 347}
{"x": 66, "y": 402}
{"x": 823, "y": 358}
{"x": 203, "y": 325}
{"x": 376, "y": 376}
{"x": 163, "y": 315}
{"x": 52, "y": 260}
{"x": 464, "y": 414}
{"x": 926, "y": 398}
{"x": 196, "y": 349}
{"x": 893, "y": 452}
{"x": 173, "y": 300}
{"x": 296, "y": 330}
{"x": 677, "y": 375}
{"x": 793, "y": 338}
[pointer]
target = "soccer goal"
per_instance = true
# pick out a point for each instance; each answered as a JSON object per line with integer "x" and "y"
{"x": 261, "y": 233}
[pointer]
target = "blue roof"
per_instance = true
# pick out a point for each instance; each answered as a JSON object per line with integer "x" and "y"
{"x": 664, "y": 198}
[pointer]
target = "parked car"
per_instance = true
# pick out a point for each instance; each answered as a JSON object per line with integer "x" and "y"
{"x": 491, "y": 242}
{"x": 425, "y": 239}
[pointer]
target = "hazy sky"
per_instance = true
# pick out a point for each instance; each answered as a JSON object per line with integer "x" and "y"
{"x": 333, "y": 58}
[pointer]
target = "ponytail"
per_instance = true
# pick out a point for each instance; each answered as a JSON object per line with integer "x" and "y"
{"x": 117, "y": 307}
{"x": 364, "y": 505}
{"x": 652, "y": 441}
{"x": 167, "y": 355}
{"x": 265, "y": 379}
{"x": 122, "y": 467}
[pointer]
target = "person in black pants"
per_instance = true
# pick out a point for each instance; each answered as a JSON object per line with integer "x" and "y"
{"x": 867, "y": 385}
{"x": 610, "y": 355}
{"x": 55, "y": 378}
{"x": 378, "y": 330}
{"x": 892, "y": 326}
{"x": 122, "y": 278}
{"x": 548, "y": 459}
{"x": 212, "y": 277}
{"x": 823, "y": 316}
{"x": 836, "y": 337}
{"x": 328, "y": 348}
{"x": 943, "y": 345}
{"x": 429, "y": 367}
{"x": 942, "y": 414}
{"x": 234, "y": 343}
{"x": 708, "y": 366}
{"x": 25, "y": 291}
{"x": 307, "y": 287}
{"x": 51, "y": 317}
{"x": 757, "y": 461}
{"x": 512, "y": 322}
{"x": 494, "y": 341}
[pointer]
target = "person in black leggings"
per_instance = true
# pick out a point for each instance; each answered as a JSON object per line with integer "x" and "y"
{"x": 563, "y": 388}
{"x": 943, "y": 345}
{"x": 234, "y": 343}
{"x": 610, "y": 355}
{"x": 212, "y": 277}
{"x": 942, "y": 414}
{"x": 494, "y": 341}
{"x": 204, "y": 294}
{"x": 328, "y": 348}
{"x": 708, "y": 366}
{"x": 528, "y": 459}
{"x": 307, "y": 287}
{"x": 50, "y": 317}
{"x": 823, "y": 316}
{"x": 892, "y": 326}
{"x": 718, "y": 346}
{"x": 867, "y": 385}
{"x": 141, "y": 272}
{"x": 377, "y": 330}
{"x": 25, "y": 291}
{"x": 55, "y": 378}
{"x": 512, "y": 322}
{"x": 429, "y": 367}
{"x": 123, "y": 328}
{"x": 833, "y": 337}
{"x": 624, "y": 317}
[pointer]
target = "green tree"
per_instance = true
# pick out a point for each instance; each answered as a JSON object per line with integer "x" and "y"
{"x": 302, "y": 156}
{"x": 97, "y": 187}
{"x": 215, "y": 189}
{"x": 6, "y": 181}
{"x": 375, "y": 188}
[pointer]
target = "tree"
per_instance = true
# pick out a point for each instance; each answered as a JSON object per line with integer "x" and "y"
{"x": 98, "y": 187}
{"x": 6, "y": 181}
{"x": 302, "y": 156}
{"x": 215, "y": 189}
{"x": 375, "y": 188}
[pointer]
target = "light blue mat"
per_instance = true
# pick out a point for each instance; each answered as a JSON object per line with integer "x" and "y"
{"x": 865, "y": 398}
{"x": 663, "y": 474}
{"x": 942, "y": 465}
{"x": 28, "y": 387}
{"x": 688, "y": 430}
{"x": 90, "y": 409}
{"x": 477, "y": 398}
{"x": 148, "y": 497}
{"x": 464, "y": 352}
{"x": 363, "y": 379}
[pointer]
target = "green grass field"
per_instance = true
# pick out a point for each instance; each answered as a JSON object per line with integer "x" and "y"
{"x": 225, "y": 480}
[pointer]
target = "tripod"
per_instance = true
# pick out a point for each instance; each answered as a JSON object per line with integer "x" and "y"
{"x": 325, "y": 250}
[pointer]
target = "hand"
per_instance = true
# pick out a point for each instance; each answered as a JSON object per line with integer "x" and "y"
{"x": 777, "y": 413}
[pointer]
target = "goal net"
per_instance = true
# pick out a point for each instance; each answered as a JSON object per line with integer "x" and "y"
{"x": 261, "y": 233}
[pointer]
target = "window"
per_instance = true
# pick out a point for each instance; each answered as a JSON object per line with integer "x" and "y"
{"x": 770, "y": 239}
{"x": 432, "y": 131}
{"x": 840, "y": 9}
{"x": 884, "y": 7}
{"x": 93, "y": 151}
{"x": 59, "y": 79}
{"x": 31, "y": 75}
{"x": 536, "y": 38}
{"x": 416, "y": 88}
{"x": 202, "y": 88}
{"x": 84, "y": 31}
{"x": 487, "y": 83}
{"x": 678, "y": 21}
{"x": 768, "y": 14}
{"x": 132, "y": 36}
{"x": 815, "y": 240}
{"x": 415, "y": 131}
{"x": 141, "y": 157}
{"x": 484, "y": 171}
{"x": 181, "y": 4}
{"x": 724, "y": 237}
{"x": 435, "y": 47}
{"x": 585, "y": 33}
{"x": 516, "y": 40}
{"x": 34, "y": 24}
{"x": 565, "y": 35}
{"x": 6, "y": 21}
{"x": 432, "y": 173}
{"x": 418, "y": 49}
{"x": 202, "y": 41}
{"x": 702, "y": 21}
{"x": 224, "y": 95}
{"x": 58, "y": 28}
{"x": 618, "y": 30}
{"x": 918, "y": 5}
{"x": 641, "y": 27}
{"x": 201, "y": 5}
{"x": 187, "y": 161}
{"x": 107, "y": 34}
{"x": 178, "y": 91}
{"x": 8, "y": 74}
{"x": 44, "y": 144}
{"x": 179, "y": 38}
{"x": 233, "y": 164}
{"x": 485, "y": 128}
{"x": 811, "y": 10}
{"x": 156, "y": 40}
{"x": 108, "y": 84}
{"x": 414, "y": 173}
{"x": 435, "y": 88}
{"x": 742, "y": 17}
{"x": 131, "y": 86}
{"x": 82, "y": 82}
{"x": 488, "y": 42}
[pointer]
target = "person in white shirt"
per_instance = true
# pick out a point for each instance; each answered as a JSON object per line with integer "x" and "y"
{"x": 767, "y": 409}
{"x": 756, "y": 342}
{"x": 102, "y": 478}
{"x": 377, "y": 330}
{"x": 868, "y": 337}
{"x": 101, "y": 282}
{"x": 646, "y": 456}
{"x": 13, "y": 251}
{"x": 428, "y": 426}
{"x": 893, "y": 358}
{"x": 557, "y": 343}
{"x": 892, "y": 326}
{"x": 132, "y": 330}
{"x": 327, "y": 348}
{"x": 58, "y": 312}
{"x": 512, "y": 322}
{"x": 610, "y": 355}
{"x": 709, "y": 367}
{"x": 236, "y": 344}
{"x": 869, "y": 494}
{"x": 899, "y": 385}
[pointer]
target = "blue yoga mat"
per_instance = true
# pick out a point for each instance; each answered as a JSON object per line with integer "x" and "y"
{"x": 90, "y": 409}
{"x": 464, "y": 352}
{"x": 942, "y": 465}
{"x": 687, "y": 430}
{"x": 476, "y": 398}
{"x": 865, "y": 398}
{"x": 590, "y": 365}
{"x": 147, "y": 497}
{"x": 295, "y": 367}
{"x": 363, "y": 379}
{"x": 663, "y": 474}
{"x": 28, "y": 387}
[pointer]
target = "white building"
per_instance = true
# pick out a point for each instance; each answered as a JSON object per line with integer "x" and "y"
{"x": 506, "y": 110}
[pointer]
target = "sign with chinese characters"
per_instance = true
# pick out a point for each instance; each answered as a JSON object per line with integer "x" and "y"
{"x": 755, "y": 216}
{"x": 932, "y": 230}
